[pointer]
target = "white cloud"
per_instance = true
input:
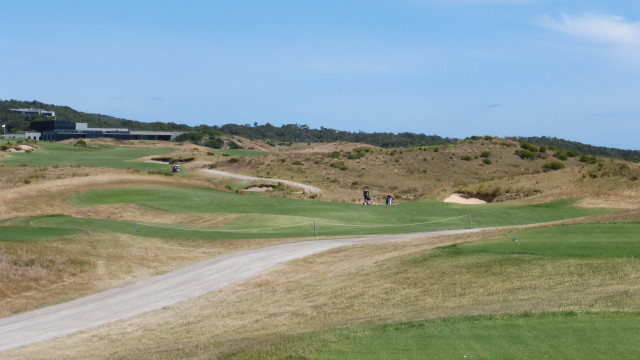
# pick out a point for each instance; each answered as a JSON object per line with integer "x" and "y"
{"x": 609, "y": 29}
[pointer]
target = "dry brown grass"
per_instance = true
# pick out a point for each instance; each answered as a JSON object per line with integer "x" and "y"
{"x": 53, "y": 271}
{"x": 365, "y": 284}
{"x": 416, "y": 173}
{"x": 343, "y": 287}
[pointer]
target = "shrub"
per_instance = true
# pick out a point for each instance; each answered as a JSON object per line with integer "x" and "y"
{"x": 192, "y": 137}
{"x": 572, "y": 153}
{"x": 486, "y": 161}
{"x": 560, "y": 155}
{"x": 234, "y": 145}
{"x": 354, "y": 156}
{"x": 297, "y": 162}
{"x": 589, "y": 159}
{"x": 436, "y": 149}
{"x": 488, "y": 138}
{"x": 525, "y": 154}
{"x": 465, "y": 157}
{"x": 333, "y": 155}
{"x": 527, "y": 146}
{"x": 362, "y": 149}
{"x": 233, "y": 160}
{"x": 555, "y": 165}
{"x": 339, "y": 165}
{"x": 485, "y": 154}
{"x": 214, "y": 143}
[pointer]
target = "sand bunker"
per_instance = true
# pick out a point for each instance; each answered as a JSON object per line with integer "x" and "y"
{"x": 459, "y": 199}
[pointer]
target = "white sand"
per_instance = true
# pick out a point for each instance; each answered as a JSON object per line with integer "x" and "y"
{"x": 458, "y": 199}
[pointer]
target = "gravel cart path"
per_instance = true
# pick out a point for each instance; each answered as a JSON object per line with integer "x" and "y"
{"x": 159, "y": 291}
{"x": 306, "y": 188}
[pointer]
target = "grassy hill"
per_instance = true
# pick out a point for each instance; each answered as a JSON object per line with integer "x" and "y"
{"x": 68, "y": 218}
{"x": 488, "y": 168}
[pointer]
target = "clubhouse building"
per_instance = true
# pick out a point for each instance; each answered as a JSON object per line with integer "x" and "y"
{"x": 57, "y": 130}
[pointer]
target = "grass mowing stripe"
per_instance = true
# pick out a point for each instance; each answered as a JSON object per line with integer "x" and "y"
{"x": 203, "y": 200}
{"x": 584, "y": 240}
{"x": 541, "y": 336}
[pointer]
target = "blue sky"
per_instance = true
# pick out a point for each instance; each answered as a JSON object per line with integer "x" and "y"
{"x": 454, "y": 68}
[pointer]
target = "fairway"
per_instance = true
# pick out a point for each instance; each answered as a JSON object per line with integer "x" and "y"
{"x": 541, "y": 336}
{"x": 582, "y": 240}
{"x": 108, "y": 156}
{"x": 557, "y": 255}
{"x": 271, "y": 217}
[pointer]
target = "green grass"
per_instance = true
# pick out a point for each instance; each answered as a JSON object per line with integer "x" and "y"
{"x": 330, "y": 217}
{"x": 566, "y": 335}
{"x": 541, "y": 336}
{"x": 24, "y": 234}
{"x": 118, "y": 157}
{"x": 582, "y": 240}
{"x": 265, "y": 217}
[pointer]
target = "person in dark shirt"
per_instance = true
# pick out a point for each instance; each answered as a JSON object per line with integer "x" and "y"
{"x": 366, "y": 195}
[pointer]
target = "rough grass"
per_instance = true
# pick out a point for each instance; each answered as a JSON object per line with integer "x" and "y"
{"x": 361, "y": 286}
{"x": 56, "y": 269}
{"x": 422, "y": 172}
{"x": 343, "y": 288}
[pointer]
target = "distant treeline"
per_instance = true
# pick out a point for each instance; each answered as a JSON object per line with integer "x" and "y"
{"x": 284, "y": 134}
{"x": 302, "y": 133}
{"x": 631, "y": 155}
{"x": 290, "y": 133}
{"x": 20, "y": 122}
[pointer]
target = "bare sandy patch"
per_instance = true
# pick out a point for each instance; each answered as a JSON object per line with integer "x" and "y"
{"x": 258, "y": 189}
{"x": 459, "y": 199}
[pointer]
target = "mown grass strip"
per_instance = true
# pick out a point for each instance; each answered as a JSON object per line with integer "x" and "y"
{"x": 203, "y": 200}
{"x": 581, "y": 240}
{"x": 528, "y": 336}
{"x": 32, "y": 234}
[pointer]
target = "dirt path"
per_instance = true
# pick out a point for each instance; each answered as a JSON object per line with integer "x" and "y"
{"x": 159, "y": 291}
{"x": 306, "y": 188}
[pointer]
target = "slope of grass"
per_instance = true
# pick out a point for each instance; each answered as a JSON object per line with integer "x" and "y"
{"x": 330, "y": 218}
{"x": 487, "y": 275}
{"x": 118, "y": 157}
{"x": 543, "y": 336}
{"x": 584, "y": 240}
{"x": 356, "y": 288}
